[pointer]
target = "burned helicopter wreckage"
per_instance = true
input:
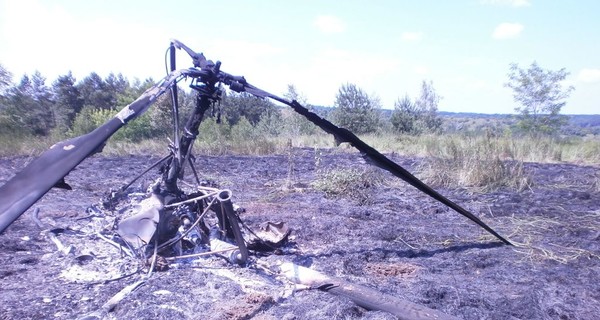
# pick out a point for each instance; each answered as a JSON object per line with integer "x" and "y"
{"x": 170, "y": 218}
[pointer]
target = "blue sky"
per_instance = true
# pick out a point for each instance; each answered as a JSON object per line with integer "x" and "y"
{"x": 385, "y": 47}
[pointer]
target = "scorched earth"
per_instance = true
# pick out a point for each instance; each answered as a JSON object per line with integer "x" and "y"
{"x": 382, "y": 234}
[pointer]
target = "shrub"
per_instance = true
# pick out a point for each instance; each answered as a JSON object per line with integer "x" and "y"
{"x": 89, "y": 119}
{"x": 136, "y": 130}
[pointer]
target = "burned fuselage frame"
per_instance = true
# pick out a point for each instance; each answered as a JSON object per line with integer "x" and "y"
{"x": 50, "y": 168}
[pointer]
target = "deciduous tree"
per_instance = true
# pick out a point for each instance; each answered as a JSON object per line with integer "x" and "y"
{"x": 294, "y": 123}
{"x": 418, "y": 116}
{"x": 234, "y": 106}
{"x": 427, "y": 104}
{"x": 541, "y": 94}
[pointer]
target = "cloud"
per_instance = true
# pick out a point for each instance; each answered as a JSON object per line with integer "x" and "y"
{"x": 511, "y": 3}
{"x": 507, "y": 30}
{"x": 412, "y": 36}
{"x": 587, "y": 75}
{"x": 329, "y": 24}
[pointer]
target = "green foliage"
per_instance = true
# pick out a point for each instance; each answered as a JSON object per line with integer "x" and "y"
{"x": 355, "y": 110}
{"x": 89, "y": 119}
{"x": 270, "y": 124}
{"x": 234, "y": 106}
{"x": 213, "y": 138}
{"x": 541, "y": 96}
{"x": 241, "y": 138}
{"x": 9, "y": 127}
{"x": 248, "y": 140}
{"x": 160, "y": 115}
{"x": 95, "y": 92}
{"x": 136, "y": 130}
{"x": 427, "y": 105}
{"x": 420, "y": 116}
{"x": 295, "y": 124}
{"x": 243, "y": 131}
{"x": 5, "y": 79}
{"x": 28, "y": 106}
{"x": 115, "y": 85}
{"x": 157, "y": 121}
{"x": 67, "y": 101}
{"x": 405, "y": 117}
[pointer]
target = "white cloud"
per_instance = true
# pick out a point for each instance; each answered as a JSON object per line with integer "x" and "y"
{"x": 507, "y": 30}
{"x": 412, "y": 36}
{"x": 589, "y": 75}
{"x": 329, "y": 24}
{"x": 511, "y": 3}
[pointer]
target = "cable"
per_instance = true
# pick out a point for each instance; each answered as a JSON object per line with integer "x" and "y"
{"x": 166, "y": 54}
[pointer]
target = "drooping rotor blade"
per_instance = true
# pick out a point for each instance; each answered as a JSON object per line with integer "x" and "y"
{"x": 36, "y": 179}
{"x": 373, "y": 156}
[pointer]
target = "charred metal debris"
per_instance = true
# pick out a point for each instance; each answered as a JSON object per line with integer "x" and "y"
{"x": 199, "y": 220}
{"x": 172, "y": 219}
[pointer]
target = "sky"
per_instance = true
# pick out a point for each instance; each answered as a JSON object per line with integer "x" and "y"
{"x": 387, "y": 48}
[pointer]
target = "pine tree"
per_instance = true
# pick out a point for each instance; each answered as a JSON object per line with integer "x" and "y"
{"x": 355, "y": 110}
{"x": 67, "y": 101}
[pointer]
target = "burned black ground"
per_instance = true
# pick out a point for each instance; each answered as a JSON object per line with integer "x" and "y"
{"x": 388, "y": 236}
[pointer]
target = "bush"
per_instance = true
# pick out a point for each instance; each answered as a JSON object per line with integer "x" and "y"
{"x": 213, "y": 138}
{"x": 88, "y": 119}
{"x": 134, "y": 131}
{"x": 247, "y": 139}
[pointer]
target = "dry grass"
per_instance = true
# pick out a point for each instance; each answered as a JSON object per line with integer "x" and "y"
{"x": 355, "y": 183}
{"x": 219, "y": 139}
{"x": 530, "y": 236}
{"x": 475, "y": 162}
{"x": 144, "y": 147}
{"x": 25, "y": 146}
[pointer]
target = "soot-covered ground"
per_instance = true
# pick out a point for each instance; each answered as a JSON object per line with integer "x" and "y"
{"x": 386, "y": 236}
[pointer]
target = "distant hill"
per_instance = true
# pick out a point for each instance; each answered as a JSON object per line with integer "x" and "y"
{"x": 474, "y": 115}
{"x": 579, "y": 124}
{"x": 585, "y": 120}
{"x": 578, "y": 119}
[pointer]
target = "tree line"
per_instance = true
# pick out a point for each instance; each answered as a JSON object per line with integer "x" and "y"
{"x": 67, "y": 107}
